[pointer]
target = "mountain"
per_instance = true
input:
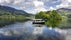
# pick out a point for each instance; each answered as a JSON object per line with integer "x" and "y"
{"x": 64, "y": 11}
{"x": 7, "y": 9}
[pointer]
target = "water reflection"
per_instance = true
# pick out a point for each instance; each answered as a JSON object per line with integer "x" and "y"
{"x": 27, "y": 31}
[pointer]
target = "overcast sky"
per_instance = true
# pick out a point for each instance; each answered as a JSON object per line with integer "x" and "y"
{"x": 33, "y": 6}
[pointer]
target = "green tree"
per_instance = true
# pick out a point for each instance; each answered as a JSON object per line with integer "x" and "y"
{"x": 41, "y": 15}
{"x": 54, "y": 19}
{"x": 51, "y": 18}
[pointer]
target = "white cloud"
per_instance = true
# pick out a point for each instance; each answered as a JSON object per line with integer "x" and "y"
{"x": 34, "y": 6}
{"x": 39, "y": 6}
{"x": 17, "y": 1}
{"x": 38, "y": 3}
{"x": 40, "y": 9}
{"x": 69, "y": 0}
{"x": 21, "y": 4}
{"x": 64, "y": 4}
{"x": 1, "y": 1}
{"x": 8, "y": 1}
{"x": 34, "y": 11}
{"x": 51, "y": 8}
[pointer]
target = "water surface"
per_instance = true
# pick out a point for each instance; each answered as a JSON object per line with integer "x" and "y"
{"x": 28, "y": 31}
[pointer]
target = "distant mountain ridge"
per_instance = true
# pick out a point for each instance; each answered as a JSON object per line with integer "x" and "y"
{"x": 67, "y": 9}
{"x": 13, "y": 10}
{"x": 64, "y": 11}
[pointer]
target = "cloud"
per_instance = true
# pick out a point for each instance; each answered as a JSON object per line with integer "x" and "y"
{"x": 1, "y": 1}
{"x": 17, "y": 2}
{"x": 51, "y": 8}
{"x": 64, "y": 4}
{"x": 34, "y": 6}
{"x": 34, "y": 11}
{"x": 40, "y": 9}
{"x": 38, "y": 3}
{"x": 69, "y": 1}
{"x": 39, "y": 6}
{"x": 8, "y": 1}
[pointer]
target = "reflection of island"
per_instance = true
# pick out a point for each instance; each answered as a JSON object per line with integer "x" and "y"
{"x": 38, "y": 25}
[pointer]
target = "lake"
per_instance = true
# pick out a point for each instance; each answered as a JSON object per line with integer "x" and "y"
{"x": 28, "y": 31}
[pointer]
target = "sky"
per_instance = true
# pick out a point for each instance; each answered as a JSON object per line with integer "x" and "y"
{"x": 34, "y": 6}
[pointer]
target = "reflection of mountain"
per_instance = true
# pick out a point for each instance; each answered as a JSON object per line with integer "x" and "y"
{"x": 10, "y": 10}
{"x": 66, "y": 13}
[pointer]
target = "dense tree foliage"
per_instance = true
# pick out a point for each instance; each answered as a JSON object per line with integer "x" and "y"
{"x": 41, "y": 15}
{"x": 54, "y": 19}
{"x": 51, "y": 18}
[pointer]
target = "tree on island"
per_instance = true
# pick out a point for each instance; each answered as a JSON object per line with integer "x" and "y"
{"x": 51, "y": 18}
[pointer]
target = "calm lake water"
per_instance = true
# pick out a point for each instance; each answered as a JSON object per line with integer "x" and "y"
{"x": 28, "y": 31}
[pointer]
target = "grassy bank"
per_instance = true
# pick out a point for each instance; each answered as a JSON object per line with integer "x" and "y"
{"x": 9, "y": 19}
